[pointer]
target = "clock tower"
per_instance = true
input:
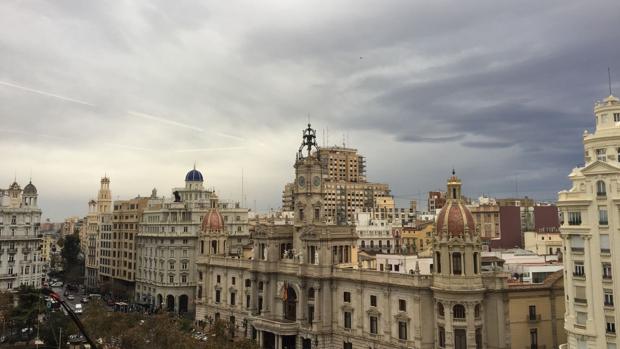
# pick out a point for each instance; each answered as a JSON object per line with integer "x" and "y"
{"x": 308, "y": 187}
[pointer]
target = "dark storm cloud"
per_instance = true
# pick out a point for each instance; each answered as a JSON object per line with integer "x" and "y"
{"x": 502, "y": 91}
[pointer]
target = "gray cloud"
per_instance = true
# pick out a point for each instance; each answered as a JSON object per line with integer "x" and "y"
{"x": 501, "y": 92}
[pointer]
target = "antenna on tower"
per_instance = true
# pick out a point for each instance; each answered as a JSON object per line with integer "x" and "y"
{"x": 609, "y": 78}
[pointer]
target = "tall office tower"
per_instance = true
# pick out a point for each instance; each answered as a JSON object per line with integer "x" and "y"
{"x": 345, "y": 186}
{"x": 589, "y": 232}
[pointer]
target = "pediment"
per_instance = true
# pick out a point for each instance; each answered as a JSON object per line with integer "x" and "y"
{"x": 600, "y": 167}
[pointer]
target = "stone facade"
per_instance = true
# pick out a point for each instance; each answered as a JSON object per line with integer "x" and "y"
{"x": 21, "y": 262}
{"x": 589, "y": 229}
{"x": 303, "y": 287}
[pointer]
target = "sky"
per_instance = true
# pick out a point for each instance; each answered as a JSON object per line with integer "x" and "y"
{"x": 141, "y": 91}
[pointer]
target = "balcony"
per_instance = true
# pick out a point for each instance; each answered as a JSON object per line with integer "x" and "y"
{"x": 581, "y": 300}
{"x": 532, "y": 317}
{"x": 26, "y": 250}
{"x": 11, "y": 250}
{"x": 7, "y": 276}
{"x": 577, "y": 250}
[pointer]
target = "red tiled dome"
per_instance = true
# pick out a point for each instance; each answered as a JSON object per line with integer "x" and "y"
{"x": 213, "y": 221}
{"x": 455, "y": 219}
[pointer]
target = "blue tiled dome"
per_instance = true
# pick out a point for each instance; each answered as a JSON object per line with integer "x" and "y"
{"x": 193, "y": 176}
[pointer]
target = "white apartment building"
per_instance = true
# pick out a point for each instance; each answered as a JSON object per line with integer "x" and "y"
{"x": 166, "y": 243}
{"x": 375, "y": 234}
{"x": 20, "y": 244}
{"x": 589, "y": 230}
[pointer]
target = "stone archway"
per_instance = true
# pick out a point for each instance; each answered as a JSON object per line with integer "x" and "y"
{"x": 183, "y": 302}
{"x": 170, "y": 303}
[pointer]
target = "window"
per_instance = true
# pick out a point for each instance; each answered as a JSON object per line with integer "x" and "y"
{"x": 576, "y": 243}
{"x": 574, "y": 218}
{"x": 217, "y": 296}
{"x": 373, "y": 301}
{"x": 532, "y": 312}
{"x": 347, "y": 345}
{"x": 171, "y": 277}
{"x": 600, "y": 154}
{"x": 440, "y": 310}
{"x": 604, "y": 240}
{"x": 582, "y": 317}
{"x": 310, "y": 314}
{"x": 475, "y": 262}
{"x": 602, "y": 216}
{"x": 609, "y": 297}
{"x": 616, "y": 117}
{"x": 579, "y": 269}
{"x": 580, "y": 294}
{"x": 601, "y": 190}
{"x": 442, "y": 337}
{"x": 456, "y": 263}
{"x": 218, "y": 278}
{"x": 183, "y": 278}
{"x": 478, "y": 338}
{"x": 438, "y": 261}
{"x": 606, "y": 271}
{"x": 402, "y": 305}
{"x": 311, "y": 294}
{"x": 260, "y": 304}
{"x": 233, "y": 280}
{"x": 232, "y": 298}
{"x": 459, "y": 311}
{"x": 373, "y": 325}
{"x": 248, "y": 282}
{"x": 347, "y": 297}
{"x": 402, "y": 330}
{"x": 247, "y": 301}
{"x": 347, "y": 319}
{"x": 534, "y": 338}
{"x": 610, "y": 324}
{"x": 477, "y": 311}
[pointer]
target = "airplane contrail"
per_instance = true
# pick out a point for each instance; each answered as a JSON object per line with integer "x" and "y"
{"x": 164, "y": 120}
{"x": 207, "y": 149}
{"x": 44, "y": 93}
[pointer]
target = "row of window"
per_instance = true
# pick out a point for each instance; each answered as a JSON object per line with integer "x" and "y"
{"x": 579, "y": 270}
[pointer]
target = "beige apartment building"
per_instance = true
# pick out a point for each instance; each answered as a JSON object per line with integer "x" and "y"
{"x": 99, "y": 235}
{"x": 543, "y": 243}
{"x": 345, "y": 186}
{"x": 119, "y": 278}
{"x": 537, "y": 313}
{"x": 487, "y": 220}
{"x": 589, "y": 231}
{"x": 302, "y": 286}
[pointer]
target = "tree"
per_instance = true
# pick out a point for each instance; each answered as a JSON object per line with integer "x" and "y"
{"x": 30, "y": 305}
{"x": 71, "y": 258}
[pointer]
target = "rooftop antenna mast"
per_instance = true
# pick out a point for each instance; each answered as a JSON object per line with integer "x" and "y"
{"x": 609, "y": 78}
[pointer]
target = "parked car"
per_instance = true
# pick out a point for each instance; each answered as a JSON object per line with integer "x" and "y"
{"x": 78, "y": 308}
{"x": 84, "y": 300}
{"x": 70, "y": 297}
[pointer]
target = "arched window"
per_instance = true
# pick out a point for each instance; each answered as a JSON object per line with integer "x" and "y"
{"x": 458, "y": 312}
{"x": 456, "y": 263}
{"x": 475, "y": 262}
{"x": 440, "y": 310}
{"x": 311, "y": 293}
{"x": 438, "y": 261}
{"x": 601, "y": 190}
{"x": 363, "y": 243}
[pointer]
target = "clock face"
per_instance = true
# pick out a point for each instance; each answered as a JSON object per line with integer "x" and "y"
{"x": 301, "y": 181}
{"x": 317, "y": 181}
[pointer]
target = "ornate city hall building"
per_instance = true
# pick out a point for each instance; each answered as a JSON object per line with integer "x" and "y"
{"x": 301, "y": 285}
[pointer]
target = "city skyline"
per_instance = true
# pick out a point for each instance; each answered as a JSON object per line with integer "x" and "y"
{"x": 142, "y": 93}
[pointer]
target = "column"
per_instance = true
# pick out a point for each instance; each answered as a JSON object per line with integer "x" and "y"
{"x": 449, "y": 330}
{"x": 471, "y": 325}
